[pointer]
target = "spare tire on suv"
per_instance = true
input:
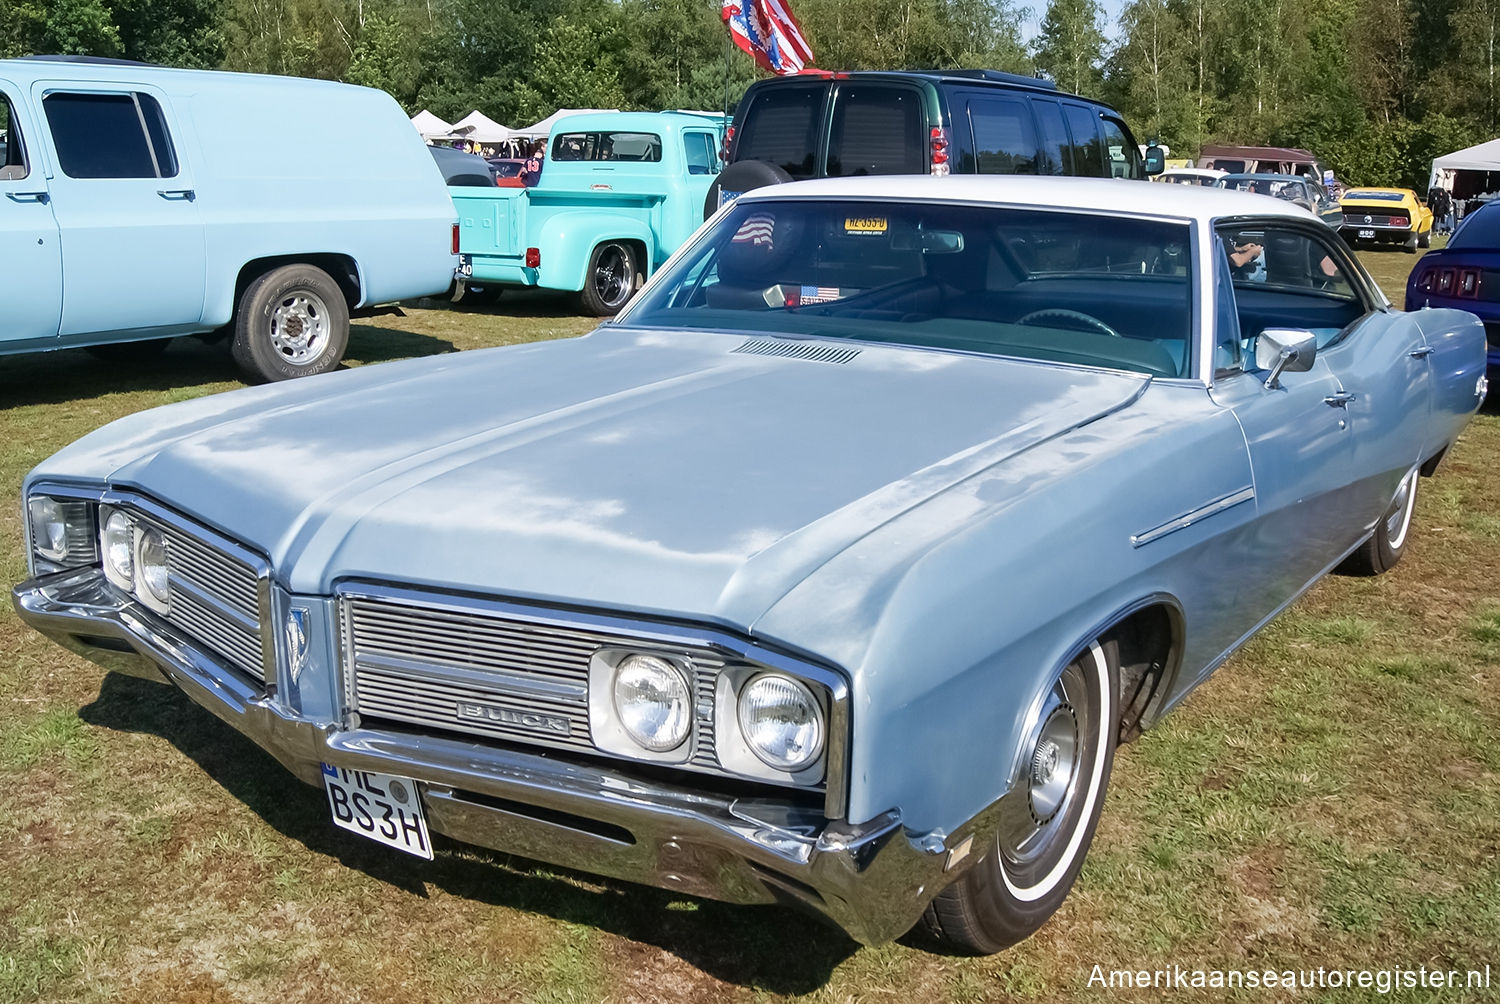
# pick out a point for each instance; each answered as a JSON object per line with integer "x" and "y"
{"x": 737, "y": 179}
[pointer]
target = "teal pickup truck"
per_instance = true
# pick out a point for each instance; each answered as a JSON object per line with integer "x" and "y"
{"x": 619, "y": 192}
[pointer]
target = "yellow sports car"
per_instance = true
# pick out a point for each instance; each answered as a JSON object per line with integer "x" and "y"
{"x": 1385, "y": 216}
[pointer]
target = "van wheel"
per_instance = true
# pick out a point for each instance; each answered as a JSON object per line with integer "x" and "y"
{"x": 129, "y": 352}
{"x": 292, "y": 322}
{"x": 740, "y": 177}
{"x": 1027, "y": 870}
{"x": 611, "y": 279}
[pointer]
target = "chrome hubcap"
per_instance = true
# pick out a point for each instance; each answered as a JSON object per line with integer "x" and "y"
{"x": 1053, "y": 764}
{"x": 300, "y": 327}
{"x": 1399, "y": 519}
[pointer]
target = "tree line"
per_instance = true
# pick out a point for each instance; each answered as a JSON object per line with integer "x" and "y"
{"x": 1375, "y": 87}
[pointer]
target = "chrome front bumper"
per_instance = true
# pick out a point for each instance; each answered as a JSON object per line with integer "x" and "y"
{"x": 872, "y": 879}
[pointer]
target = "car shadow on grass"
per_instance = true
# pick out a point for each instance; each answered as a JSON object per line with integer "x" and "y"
{"x": 539, "y": 303}
{"x": 767, "y": 948}
{"x": 370, "y": 343}
{"x": 41, "y": 378}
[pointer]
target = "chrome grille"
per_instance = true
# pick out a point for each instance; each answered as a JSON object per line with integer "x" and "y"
{"x": 215, "y": 598}
{"x": 420, "y": 665}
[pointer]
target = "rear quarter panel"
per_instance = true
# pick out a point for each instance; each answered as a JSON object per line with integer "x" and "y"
{"x": 278, "y": 174}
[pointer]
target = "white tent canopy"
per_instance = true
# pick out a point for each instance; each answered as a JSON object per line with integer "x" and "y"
{"x": 539, "y": 130}
{"x": 1483, "y": 158}
{"x": 430, "y": 126}
{"x": 480, "y": 128}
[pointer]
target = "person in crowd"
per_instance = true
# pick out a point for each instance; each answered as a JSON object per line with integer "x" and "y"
{"x": 531, "y": 171}
{"x": 1441, "y": 204}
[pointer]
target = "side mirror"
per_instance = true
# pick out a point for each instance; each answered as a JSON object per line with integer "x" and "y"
{"x": 1284, "y": 350}
{"x": 1156, "y": 159}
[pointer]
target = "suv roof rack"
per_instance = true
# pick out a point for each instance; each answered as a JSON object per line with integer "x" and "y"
{"x": 1000, "y": 76}
{"x": 95, "y": 60}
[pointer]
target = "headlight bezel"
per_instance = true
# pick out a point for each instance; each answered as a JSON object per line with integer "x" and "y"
{"x": 735, "y": 751}
{"x": 804, "y": 694}
{"x": 79, "y": 522}
{"x": 607, "y": 729}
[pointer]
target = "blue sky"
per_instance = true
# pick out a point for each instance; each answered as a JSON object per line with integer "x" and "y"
{"x": 1033, "y": 22}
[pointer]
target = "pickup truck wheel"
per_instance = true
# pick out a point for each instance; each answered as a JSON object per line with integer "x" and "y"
{"x": 1385, "y": 545}
{"x": 611, "y": 279}
{"x": 1032, "y": 862}
{"x": 129, "y": 352}
{"x": 292, "y": 322}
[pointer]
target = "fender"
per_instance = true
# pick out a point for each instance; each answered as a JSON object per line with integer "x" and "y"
{"x": 569, "y": 238}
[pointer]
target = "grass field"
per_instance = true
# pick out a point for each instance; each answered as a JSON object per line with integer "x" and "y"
{"x": 1330, "y": 798}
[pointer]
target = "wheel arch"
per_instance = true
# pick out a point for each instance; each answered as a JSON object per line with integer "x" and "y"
{"x": 569, "y": 239}
{"x": 341, "y": 268}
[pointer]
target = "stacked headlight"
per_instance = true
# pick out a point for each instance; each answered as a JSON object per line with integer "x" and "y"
{"x": 61, "y": 531}
{"x": 134, "y": 555}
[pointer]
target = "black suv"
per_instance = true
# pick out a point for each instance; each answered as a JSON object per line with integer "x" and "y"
{"x": 819, "y": 124}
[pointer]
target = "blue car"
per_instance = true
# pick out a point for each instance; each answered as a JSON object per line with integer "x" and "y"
{"x": 831, "y": 573}
{"x": 1465, "y": 275}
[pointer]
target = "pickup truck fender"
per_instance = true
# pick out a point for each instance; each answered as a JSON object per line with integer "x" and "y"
{"x": 569, "y": 239}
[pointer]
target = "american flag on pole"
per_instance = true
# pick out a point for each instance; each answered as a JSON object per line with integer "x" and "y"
{"x": 767, "y": 30}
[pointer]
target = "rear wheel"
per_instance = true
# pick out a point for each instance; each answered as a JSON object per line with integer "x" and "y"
{"x": 1030, "y": 867}
{"x": 611, "y": 278}
{"x": 1411, "y": 244}
{"x": 293, "y": 321}
{"x": 475, "y": 294}
{"x": 1424, "y": 240}
{"x": 1387, "y": 542}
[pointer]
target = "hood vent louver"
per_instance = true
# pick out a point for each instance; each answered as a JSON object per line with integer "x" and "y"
{"x": 818, "y": 352}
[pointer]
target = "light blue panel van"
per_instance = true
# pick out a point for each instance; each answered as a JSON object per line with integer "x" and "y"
{"x": 141, "y": 203}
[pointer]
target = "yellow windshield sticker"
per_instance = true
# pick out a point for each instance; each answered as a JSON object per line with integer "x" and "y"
{"x": 865, "y": 225}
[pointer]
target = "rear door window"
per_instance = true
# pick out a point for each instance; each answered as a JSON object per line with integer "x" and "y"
{"x": 109, "y": 135}
{"x": 877, "y": 129}
{"x": 1054, "y": 153}
{"x": 781, "y": 127}
{"x": 1004, "y": 138}
{"x": 1088, "y": 151}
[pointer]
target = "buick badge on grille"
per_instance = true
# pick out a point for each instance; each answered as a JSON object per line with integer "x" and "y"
{"x": 532, "y": 720}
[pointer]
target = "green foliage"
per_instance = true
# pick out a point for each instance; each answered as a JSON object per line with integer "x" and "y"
{"x": 1070, "y": 47}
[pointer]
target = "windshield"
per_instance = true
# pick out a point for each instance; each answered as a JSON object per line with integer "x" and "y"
{"x": 1049, "y": 285}
{"x": 1290, "y": 189}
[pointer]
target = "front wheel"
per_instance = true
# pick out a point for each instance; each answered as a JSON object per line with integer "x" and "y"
{"x": 292, "y": 321}
{"x": 1385, "y": 545}
{"x": 611, "y": 278}
{"x": 1036, "y": 855}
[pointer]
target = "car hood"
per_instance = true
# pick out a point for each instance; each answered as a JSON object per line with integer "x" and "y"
{"x": 681, "y": 473}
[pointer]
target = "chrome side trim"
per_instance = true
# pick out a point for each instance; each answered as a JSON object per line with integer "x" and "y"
{"x": 1187, "y": 519}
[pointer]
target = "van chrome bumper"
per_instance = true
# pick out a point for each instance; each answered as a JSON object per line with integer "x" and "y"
{"x": 872, "y": 879}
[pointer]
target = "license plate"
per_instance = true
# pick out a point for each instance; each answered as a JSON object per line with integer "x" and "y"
{"x": 465, "y": 266}
{"x": 379, "y": 806}
{"x": 1366, "y": 234}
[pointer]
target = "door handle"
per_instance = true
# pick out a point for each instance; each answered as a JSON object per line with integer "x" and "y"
{"x": 185, "y": 194}
{"x": 27, "y": 196}
{"x": 1421, "y": 353}
{"x": 1339, "y": 400}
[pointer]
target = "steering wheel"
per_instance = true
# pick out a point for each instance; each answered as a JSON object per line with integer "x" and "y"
{"x": 1089, "y": 321}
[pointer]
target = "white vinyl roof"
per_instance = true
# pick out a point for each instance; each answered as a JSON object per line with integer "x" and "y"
{"x": 1188, "y": 202}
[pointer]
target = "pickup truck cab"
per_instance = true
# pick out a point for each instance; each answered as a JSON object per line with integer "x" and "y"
{"x": 139, "y": 203}
{"x": 618, "y": 193}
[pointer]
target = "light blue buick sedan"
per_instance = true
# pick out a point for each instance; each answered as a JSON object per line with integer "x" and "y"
{"x": 831, "y": 573}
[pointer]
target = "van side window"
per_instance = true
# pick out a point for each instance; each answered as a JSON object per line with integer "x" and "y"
{"x": 109, "y": 135}
{"x": 1088, "y": 152}
{"x": 1004, "y": 139}
{"x": 781, "y": 127}
{"x": 1055, "y": 153}
{"x": 701, "y": 153}
{"x": 12, "y": 148}
{"x": 877, "y": 129}
{"x": 1124, "y": 159}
